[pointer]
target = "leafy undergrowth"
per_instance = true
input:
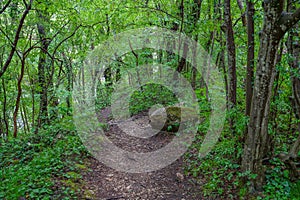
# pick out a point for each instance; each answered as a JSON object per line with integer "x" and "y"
{"x": 42, "y": 166}
{"x": 219, "y": 174}
{"x": 278, "y": 182}
{"x": 152, "y": 94}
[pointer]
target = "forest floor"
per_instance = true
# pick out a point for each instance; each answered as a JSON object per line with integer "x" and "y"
{"x": 105, "y": 183}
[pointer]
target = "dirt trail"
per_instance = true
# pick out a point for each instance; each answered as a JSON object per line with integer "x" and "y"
{"x": 169, "y": 183}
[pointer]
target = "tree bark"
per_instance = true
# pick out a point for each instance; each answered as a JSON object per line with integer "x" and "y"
{"x": 241, "y": 7}
{"x": 182, "y": 59}
{"x": 4, "y": 109}
{"x": 223, "y": 68}
{"x": 276, "y": 24}
{"x": 16, "y": 39}
{"x": 293, "y": 46}
{"x": 15, "y": 115}
{"x": 42, "y": 69}
{"x": 231, "y": 57}
{"x": 196, "y": 11}
{"x": 5, "y": 6}
{"x": 69, "y": 84}
{"x": 250, "y": 55}
{"x": 193, "y": 18}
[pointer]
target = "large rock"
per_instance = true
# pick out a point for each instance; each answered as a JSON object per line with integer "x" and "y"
{"x": 170, "y": 118}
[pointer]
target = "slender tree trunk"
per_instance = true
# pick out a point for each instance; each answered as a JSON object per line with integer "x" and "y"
{"x": 273, "y": 115}
{"x": 293, "y": 46}
{"x": 52, "y": 97}
{"x": 69, "y": 85}
{"x": 42, "y": 69}
{"x": 108, "y": 70}
{"x": 4, "y": 108}
{"x": 194, "y": 70}
{"x": 221, "y": 56}
{"x": 15, "y": 115}
{"x": 231, "y": 57}
{"x": 195, "y": 16}
{"x": 24, "y": 109}
{"x": 250, "y": 55}
{"x": 223, "y": 68}
{"x": 23, "y": 119}
{"x": 182, "y": 59}
{"x": 230, "y": 53}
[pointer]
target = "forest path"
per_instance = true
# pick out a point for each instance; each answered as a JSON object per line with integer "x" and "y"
{"x": 169, "y": 183}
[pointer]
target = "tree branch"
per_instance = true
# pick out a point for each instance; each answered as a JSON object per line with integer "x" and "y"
{"x": 65, "y": 39}
{"x": 243, "y": 14}
{"x": 158, "y": 10}
{"x": 288, "y": 20}
{"x": 296, "y": 146}
{"x": 16, "y": 40}
{"x": 7, "y": 37}
{"x": 4, "y": 7}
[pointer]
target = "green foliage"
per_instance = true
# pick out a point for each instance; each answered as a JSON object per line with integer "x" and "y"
{"x": 295, "y": 190}
{"x": 150, "y": 95}
{"x": 30, "y": 165}
{"x": 103, "y": 97}
{"x": 278, "y": 185}
{"x": 218, "y": 169}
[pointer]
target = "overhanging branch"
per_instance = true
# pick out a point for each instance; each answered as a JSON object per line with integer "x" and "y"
{"x": 16, "y": 40}
{"x": 5, "y": 6}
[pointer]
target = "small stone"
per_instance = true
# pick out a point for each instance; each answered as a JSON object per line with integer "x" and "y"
{"x": 180, "y": 176}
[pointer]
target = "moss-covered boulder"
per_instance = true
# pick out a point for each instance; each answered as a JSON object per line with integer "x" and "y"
{"x": 170, "y": 118}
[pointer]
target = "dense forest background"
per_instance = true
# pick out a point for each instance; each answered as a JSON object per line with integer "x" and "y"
{"x": 254, "y": 44}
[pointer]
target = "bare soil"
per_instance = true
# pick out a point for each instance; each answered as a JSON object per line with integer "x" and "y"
{"x": 169, "y": 183}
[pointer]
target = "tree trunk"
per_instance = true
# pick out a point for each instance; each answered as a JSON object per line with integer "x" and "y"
{"x": 276, "y": 24}
{"x": 193, "y": 19}
{"x": 230, "y": 45}
{"x": 42, "y": 69}
{"x": 230, "y": 53}
{"x": 250, "y": 55}
{"x": 293, "y": 46}
{"x": 69, "y": 85}
{"x": 250, "y": 63}
{"x": 182, "y": 59}
{"x": 5, "y": 119}
{"x": 24, "y": 109}
{"x": 195, "y": 16}
{"x": 15, "y": 115}
{"x": 223, "y": 68}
